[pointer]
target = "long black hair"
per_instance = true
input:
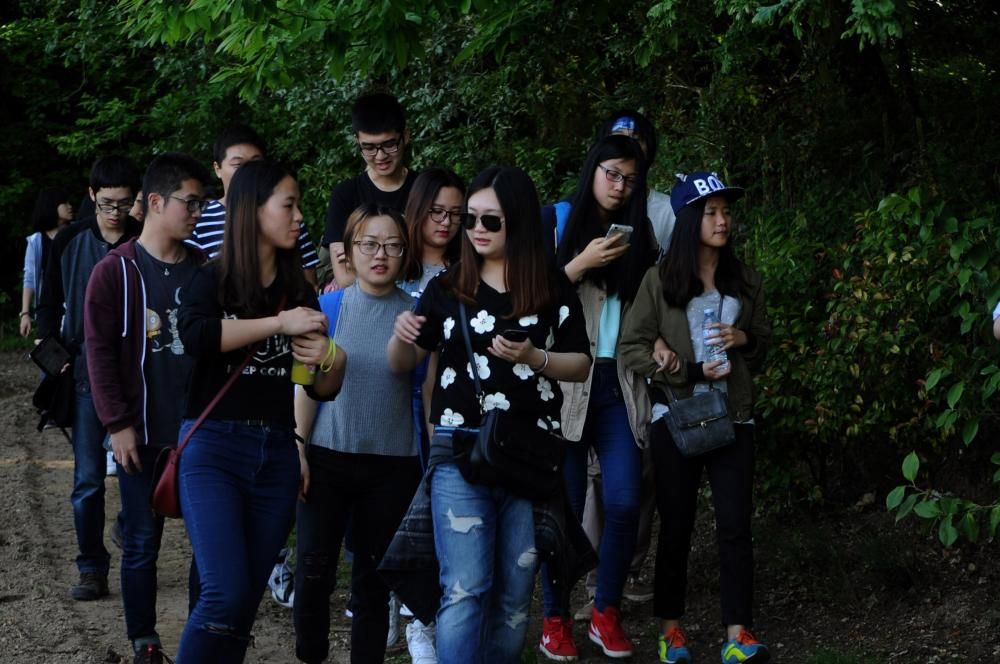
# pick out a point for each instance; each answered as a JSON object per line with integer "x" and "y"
{"x": 45, "y": 216}
{"x": 240, "y": 289}
{"x": 679, "y": 270}
{"x": 418, "y": 206}
{"x": 528, "y": 277}
{"x": 623, "y": 276}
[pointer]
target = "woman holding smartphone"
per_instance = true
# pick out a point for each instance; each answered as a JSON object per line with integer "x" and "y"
{"x": 604, "y": 245}
{"x": 484, "y": 535}
{"x": 700, "y": 274}
{"x": 239, "y": 474}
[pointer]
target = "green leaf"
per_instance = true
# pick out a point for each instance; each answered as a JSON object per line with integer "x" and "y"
{"x": 947, "y": 532}
{"x": 933, "y": 378}
{"x": 955, "y": 393}
{"x": 911, "y": 464}
{"x": 970, "y": 527}
{"x": 906, "y": 507}
{"x": 895, "y": 497}
{"x": 994, "y": 520}
{"x": 927, "y": 509}
{"x": 970, "y": 430}
{"x": 995, "y": 459}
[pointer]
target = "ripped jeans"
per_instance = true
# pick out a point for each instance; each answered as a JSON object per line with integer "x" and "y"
{"x": 485, "y": 541}
{"x": 238, "y": 483}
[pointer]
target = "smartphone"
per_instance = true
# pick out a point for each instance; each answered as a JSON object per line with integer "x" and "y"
{"x": 514, "y": 334}
{"x": 626, "y": 232}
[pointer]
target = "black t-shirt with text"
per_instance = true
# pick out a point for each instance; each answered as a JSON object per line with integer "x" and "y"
{"x": 264, "y": 391}
{"x": 349, "y": 194}
{"x": 507, "y": 385}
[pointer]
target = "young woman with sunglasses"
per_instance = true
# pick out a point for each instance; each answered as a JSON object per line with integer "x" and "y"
{"x": 701, "y": 273}
{"x": 239, "y": 474}
{"x": 484, "y": 535}
{"x": 361, "y": 471}
{"x": 609, "y": 411}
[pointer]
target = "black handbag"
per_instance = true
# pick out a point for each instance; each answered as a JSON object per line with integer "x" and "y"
{"x": 700, "y": 423}
{"x": 510, "y": 450}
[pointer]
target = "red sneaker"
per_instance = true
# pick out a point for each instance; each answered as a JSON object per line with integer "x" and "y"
{"x": 557, "y": 640}
{"x": 606, "y": 631}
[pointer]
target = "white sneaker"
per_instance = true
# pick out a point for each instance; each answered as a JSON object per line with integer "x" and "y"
{"x": 405, "y": 611}
{"x": 420, "y": 643}
{"x": 112, "y": 468}
{"x": 393, "y": 636}
{"x": 281, "y": 582}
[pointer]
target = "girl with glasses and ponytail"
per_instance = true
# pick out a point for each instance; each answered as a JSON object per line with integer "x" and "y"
{"x": 526, "y": 332}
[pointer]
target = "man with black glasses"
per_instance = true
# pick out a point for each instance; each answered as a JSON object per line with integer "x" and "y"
{"x": 114, "y": 182}
{"x": 380, "y": 131}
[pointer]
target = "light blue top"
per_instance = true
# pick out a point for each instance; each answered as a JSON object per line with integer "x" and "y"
{"x": 607, "y": 330}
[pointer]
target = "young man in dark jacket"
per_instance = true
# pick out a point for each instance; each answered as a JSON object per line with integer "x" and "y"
{"x": 114, "y": 182}
{"x": 138, "y": 370}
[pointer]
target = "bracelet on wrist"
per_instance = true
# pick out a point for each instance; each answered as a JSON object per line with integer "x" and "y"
{"x": 545, "y": 362}
{"x": 331, "y": 355}
{"x": 23, "y": 314}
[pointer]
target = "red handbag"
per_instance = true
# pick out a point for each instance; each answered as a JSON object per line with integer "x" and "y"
{"x": 164, "y": 496}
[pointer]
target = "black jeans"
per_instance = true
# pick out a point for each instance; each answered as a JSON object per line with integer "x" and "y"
{"x": 730, "y": 474}
{"x": 371, "y": 492}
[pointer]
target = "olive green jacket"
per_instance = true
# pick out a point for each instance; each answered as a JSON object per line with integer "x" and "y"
{"x": 650, "y": 317}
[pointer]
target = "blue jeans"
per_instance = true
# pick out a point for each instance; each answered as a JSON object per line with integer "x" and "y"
{"x": 485, "y": 541}
{"x": 90, "y": 466}
{"x": 607, "y": 430}
{"x": 141, "y": 533}
{"x": 238, "y": 484}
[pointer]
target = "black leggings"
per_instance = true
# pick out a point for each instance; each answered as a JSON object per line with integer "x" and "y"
{"x": 730, "y": 474}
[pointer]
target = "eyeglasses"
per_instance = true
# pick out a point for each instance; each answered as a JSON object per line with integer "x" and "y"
{"x": 440, "y": 215}
{"x": 371, "y": 247}
{"x": 491, "y": 222}
{"x": 193, "y": 204}
{"x": 388, "y": 147}
{"x": 110, "y": 208}
{"x": 616, "y": 177}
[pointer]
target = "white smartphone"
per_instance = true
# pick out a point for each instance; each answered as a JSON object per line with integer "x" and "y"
{"x": 626, "y": 232}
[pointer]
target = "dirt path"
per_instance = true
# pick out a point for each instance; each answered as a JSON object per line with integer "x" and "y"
{"x": 851, "y": 585}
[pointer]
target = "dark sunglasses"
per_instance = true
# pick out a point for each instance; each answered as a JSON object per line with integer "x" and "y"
{"x": 491, "y": 222}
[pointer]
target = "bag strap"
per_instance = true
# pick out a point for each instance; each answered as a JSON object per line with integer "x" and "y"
{"x": 225, "y": 388}
{"x": 562, "y": 208}
{"x": 330, "y": 304}
{"x": 711, "y": 384}
{"x": 472, "y": 356}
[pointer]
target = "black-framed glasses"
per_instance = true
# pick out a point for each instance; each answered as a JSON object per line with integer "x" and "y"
{"x": 388, "y": 147}
{"x": 616, "y": 176}
{"x": 491, "y": 222}
{"x": 371, "y": 247}
{"x": 121, "y": 207}
{"x": 193, "y": 204}
{"x": 441, "y": 215}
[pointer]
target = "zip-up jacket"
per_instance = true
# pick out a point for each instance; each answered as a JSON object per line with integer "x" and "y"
{"x": 115, "y": 326}
{"x": 75, "y": 251}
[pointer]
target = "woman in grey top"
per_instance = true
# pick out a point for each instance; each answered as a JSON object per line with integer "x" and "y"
{"x": 361, "y": 453}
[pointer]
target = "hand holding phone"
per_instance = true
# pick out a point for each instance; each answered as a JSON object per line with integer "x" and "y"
{"x": 625, "y": 231}
{"x": 515, "y": 335}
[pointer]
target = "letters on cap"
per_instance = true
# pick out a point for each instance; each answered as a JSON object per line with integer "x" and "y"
{"x": 698, "y": 185}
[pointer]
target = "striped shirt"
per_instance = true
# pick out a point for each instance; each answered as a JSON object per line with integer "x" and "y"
{"x": 210, "y": 230}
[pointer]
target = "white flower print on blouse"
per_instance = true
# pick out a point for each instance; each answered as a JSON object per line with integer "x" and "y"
{"x": 496, "y": 400}
{"x": 449, "y": 325}
{"x": 563, "y": 314}
{"x": 550, "y": 341}
{"x": 449, "y": 418}
{"x": 547, "y": 424}
{"x": 523, "y": 371}
{"x": 481, "y": 367}
{"x": 447, "y": 377}
{"x": 483, "y": 322}
{"x": 545, "y": 389}
{"x": 527, "y": 321}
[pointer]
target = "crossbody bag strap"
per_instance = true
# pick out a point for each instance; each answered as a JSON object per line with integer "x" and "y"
{"x": 464, "y": 320}
{"x": 225, "y": 388}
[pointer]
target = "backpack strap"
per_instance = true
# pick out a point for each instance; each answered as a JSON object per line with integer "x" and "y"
{"x": 330, "y": 304}
{"x": 563, "y": 208}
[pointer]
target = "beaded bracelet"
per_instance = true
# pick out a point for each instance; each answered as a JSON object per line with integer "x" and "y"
{"x": 331, "y": 355}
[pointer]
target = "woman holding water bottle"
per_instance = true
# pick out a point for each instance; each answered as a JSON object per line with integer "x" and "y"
{"x": 708, "y": 307}
{"x": 249, "y": 311}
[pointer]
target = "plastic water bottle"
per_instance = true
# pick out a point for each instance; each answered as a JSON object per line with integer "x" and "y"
{"x": 713, "y": 349}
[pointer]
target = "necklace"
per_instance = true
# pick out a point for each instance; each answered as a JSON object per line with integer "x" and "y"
{"x": 163, "y": 264}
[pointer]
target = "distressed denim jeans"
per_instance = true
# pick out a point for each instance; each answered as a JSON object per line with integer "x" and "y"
{"x": 238, "y": 483}
{"x": 485, "y": 541}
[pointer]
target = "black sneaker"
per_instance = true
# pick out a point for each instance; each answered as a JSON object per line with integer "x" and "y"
{"x": 151, "y": 654}
{"x": 90, "y": 587}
